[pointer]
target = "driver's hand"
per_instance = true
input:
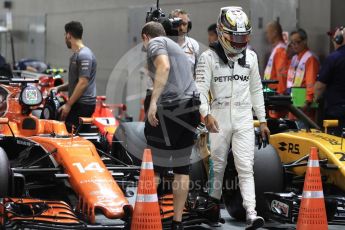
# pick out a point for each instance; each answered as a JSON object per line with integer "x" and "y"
{"x": 64, "y": 111}
{"x": 211, "y": 124}
{"x": 265, "y": 132}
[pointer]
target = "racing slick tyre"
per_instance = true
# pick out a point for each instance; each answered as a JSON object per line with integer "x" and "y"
{"x": 129, "y": 142}
{"x": 37, "y": 113}
{"x": 267, "y": 179}
{"x": 198, "y": 171}
{"x": 5, "y": 172}
{"x": 48, "y": 112}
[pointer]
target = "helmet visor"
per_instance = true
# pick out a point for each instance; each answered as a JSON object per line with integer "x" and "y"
{"x": 243, "y": 38}
{"x": 238, "y": 45}
{"x": 236, "y": 41}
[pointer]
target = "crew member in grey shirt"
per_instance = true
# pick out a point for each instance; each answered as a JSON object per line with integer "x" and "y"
{"x": 172, "y": 115}
{"x": 189, "y": 45}
{"x": 81, "y": 84}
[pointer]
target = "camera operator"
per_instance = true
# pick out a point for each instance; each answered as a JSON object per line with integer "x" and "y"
{"x": 173, "y": 112}
{"x": 189, "y": 45}
{"x": 176, "y": 26}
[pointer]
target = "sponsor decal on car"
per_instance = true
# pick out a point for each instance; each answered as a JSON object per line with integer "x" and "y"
{"x": 26, "y": 143}
{"x": 282, "y": 146}
{"x": 97, "y": 181}
{"x": 328, "y": 139}
{"x": 282, "y": 207}
{"x": 290, "y": 147}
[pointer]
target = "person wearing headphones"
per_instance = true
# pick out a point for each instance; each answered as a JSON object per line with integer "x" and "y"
{"x": 303, "y": 70}
{"x": 189, "y": 45}
{"x": 331, "y": 82}
{"x": 229, "y": 70}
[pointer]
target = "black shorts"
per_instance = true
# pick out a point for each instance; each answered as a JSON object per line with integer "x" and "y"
{"x": 147, "y": 100}
{"x": 79, "y": 110}
{"x": 171, "y": 142}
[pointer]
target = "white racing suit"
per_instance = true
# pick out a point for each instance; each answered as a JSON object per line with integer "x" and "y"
{"x": 235, "y": 91}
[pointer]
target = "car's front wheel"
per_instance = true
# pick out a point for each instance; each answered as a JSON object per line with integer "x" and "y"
{"x": 5, "y": 172}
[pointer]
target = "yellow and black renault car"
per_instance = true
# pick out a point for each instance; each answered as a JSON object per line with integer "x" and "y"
{"x": 292, "y": 142}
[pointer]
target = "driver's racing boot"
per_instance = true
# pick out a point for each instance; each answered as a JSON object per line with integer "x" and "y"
{"x": 213, "y": 208}
{"x": 209, "y": 208}
{"x": 254, "y": 221}
{"x": 176, "y": 225}
{"x": 212, "y": 212}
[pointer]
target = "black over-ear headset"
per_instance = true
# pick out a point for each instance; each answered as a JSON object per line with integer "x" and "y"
{"x": 339, "y": 38}
{"x": 189, "y": 28}
{"x": 179, "y": 11}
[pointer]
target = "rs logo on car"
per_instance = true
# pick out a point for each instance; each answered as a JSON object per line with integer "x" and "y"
{"x": 290, "y": 147}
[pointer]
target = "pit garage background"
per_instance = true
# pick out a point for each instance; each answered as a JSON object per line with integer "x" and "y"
{"x": 112, "y": 28}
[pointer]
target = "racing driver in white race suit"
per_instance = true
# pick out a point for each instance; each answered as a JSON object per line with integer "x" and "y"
{"x": 229, "y": 71}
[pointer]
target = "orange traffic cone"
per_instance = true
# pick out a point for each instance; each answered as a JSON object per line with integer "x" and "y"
{"x": 312, "y": 213}
{"x": 146, "y": 214}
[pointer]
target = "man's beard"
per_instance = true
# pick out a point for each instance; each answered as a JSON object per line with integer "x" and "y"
{"x": 182, "y": 33}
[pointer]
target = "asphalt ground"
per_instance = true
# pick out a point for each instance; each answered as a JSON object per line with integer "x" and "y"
{"x": 232, "y": 224}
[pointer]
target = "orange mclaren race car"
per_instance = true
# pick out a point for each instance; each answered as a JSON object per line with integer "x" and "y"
{"x": 103, "y": 120}
{"x": 51, "y": 179}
